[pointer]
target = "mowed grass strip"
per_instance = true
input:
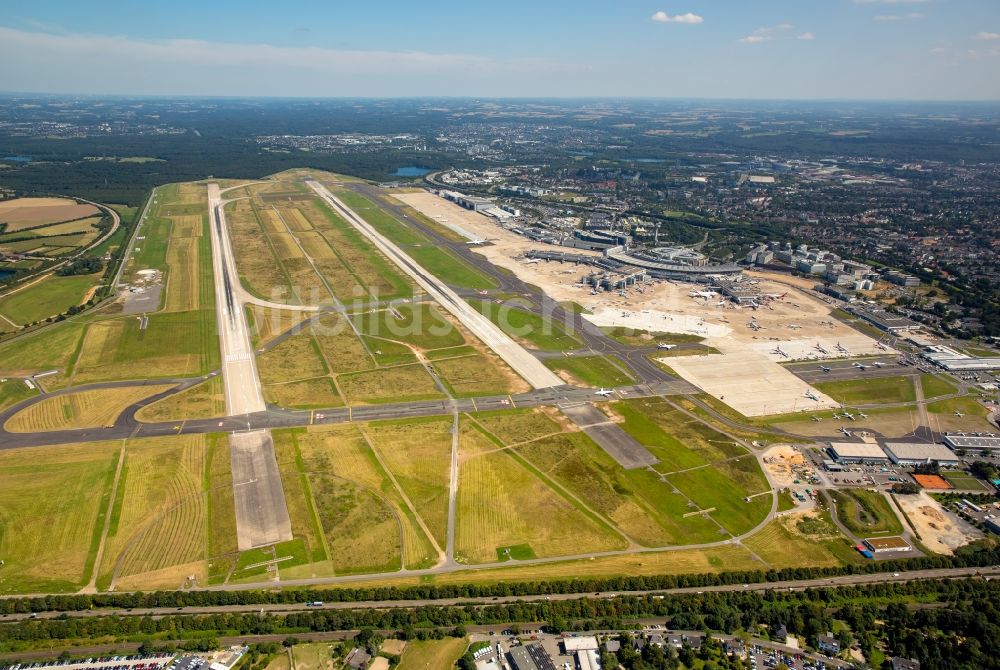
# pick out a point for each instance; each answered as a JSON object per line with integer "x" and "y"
{"x": 83, "y": 409}
{"x": 203, "y": 401}
{"x": 51, "y": 513}
{"x": 535, "y": 331}
{"x": 501, "y": 503}
{"x": 439, "y": 262}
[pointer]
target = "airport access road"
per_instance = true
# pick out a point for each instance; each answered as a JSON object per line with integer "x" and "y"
{"x": 261, "y": 513}
{"x": 517, "y": 357}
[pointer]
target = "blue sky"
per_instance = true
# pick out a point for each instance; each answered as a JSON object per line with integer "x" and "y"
{"x": 789, "y": 49}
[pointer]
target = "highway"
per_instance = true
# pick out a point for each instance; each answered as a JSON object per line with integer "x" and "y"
{"x": 516, "y": 356}
{"x": 261, "y": 513}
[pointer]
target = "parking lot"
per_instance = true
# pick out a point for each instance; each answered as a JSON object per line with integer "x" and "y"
{"x": 134, "y": 662}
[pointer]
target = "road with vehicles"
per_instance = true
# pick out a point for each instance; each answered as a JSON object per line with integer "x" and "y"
{"x": 261, "y": 513}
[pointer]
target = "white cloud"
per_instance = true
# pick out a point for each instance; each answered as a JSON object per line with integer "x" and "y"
{"x": 889, "y": 2}
{"x": 767, "y": 33}
{"x": 937, "y": 51}
{"x": 987, "y": 36}
{"x": 806, "y": 36}
{"x": 689, "y": 18}
{"x": 755, "y": 39}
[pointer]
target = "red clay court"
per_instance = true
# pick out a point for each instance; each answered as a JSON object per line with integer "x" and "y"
{"x": 933, "y": 482}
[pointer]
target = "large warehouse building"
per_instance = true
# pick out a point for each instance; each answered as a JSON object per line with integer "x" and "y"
{"x": 912, "y": 453}
{"x": 973, "y": 443}
{"x": 857, "y": 452}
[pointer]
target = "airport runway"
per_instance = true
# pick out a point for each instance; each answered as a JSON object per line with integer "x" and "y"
{"x": 519, "y": 359}
{"x": 261, "y": 513}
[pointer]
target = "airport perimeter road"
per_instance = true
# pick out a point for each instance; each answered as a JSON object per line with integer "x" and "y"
{"x": 261, "y": 513}
{"x": 516, "y": 356}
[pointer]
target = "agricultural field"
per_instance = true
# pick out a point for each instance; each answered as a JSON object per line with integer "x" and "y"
{"x": 51, "y": 513}
{"x": 159, "y": 524}
{"x": 83, "y": 409}
{"x": 50, "y": 296}
{"x": 594, "y": 370}
{"x": 22, "y": 214}
{"x": 865, "y": 513}
{"x": 204, "y": 401}
{"x": 533, "y": 330}
{"x": 871, "y": 391}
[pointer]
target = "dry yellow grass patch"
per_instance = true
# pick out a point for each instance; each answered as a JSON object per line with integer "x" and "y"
{"x": 204, "y": 401}
{"x": 182, "y": 280}
{"x": 84, "y": 409}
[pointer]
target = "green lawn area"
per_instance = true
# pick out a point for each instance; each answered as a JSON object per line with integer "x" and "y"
{"x": 866, "y": 513}
{"x": 50, "y": 347}
{"x": 439, "y": 262}
{"x": 542, "y": 334}
{"x": 14, "y": 391}
{"x": 871, "y": 391}
{"x": 964, "y": 405}
{"x": 49, "y": 297}
{"x": 591, "y": 370}
{"x": 936, "y": 385}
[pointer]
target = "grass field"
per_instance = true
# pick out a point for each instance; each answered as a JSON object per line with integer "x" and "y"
{"x": 644, "y": 338}
{"x": 51, "y": 296}
{"x": 398, "y": 384}
{"x": 306, "y": 394}
{"x": 418, "y": 454}
{"x": 936, "y": 385}
{"x": 518, "y": 425}
{"x": 51, "y": 511}
{"x": 296, "y": 358}
{"x": 866, "y": 513}
{"x": 160, "y": 517}
{"x": 432, "y": 654}
{"x": 203, "y": 401}
{"x": 871, "y": 391}
{"x": 783, "y": 544}
{"x": 266, "y": 324}
{"x": 84, "y": 409}
{"x": 421, "y": 325}
{"x": 536, "y": 332}
{"x": 181, "y": 344}
{"x": 477, "y": 374}
{"x": 13, "y": 391}
{"x": 944, "y": 419}
{"x": 502, "y": 503}
{"x": 51, "y": 348}
{"x": 340, "y": 347}
{"x": 344, "y": 453}
{"x": 591, "y": 370}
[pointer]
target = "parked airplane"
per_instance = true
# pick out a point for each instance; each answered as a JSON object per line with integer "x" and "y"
{"x": 841, "y": 349}
{"x": 605, "y": 392}
{"x": 812, "y": 396}
{"x": 661, "y": 345}
{"x": 821, "y": 349}
{"x": 816, "y": 418}
{"x": 825, "y": 368}
{"x": 879, "y": 345}
{"x": 703, "y": 294}
{"x": 846, "y": 432}
{"x": 958, "y": 413}
{"x": 837, "y": 416}
{"x": 848, "y": 415}
{"x": 862, "y": 415}
{"x": 861, "y": 366}
{"x": 532, "y": 261}
{"x": 878, "y": 364}
{"x": 777, "y": 350}
{"x": 476, "y": 243}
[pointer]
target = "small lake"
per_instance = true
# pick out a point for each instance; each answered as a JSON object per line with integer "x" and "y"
{"x": 18, "y": 159}
{"x": 411, "y": 171}
{"x": 5, "y": 273}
